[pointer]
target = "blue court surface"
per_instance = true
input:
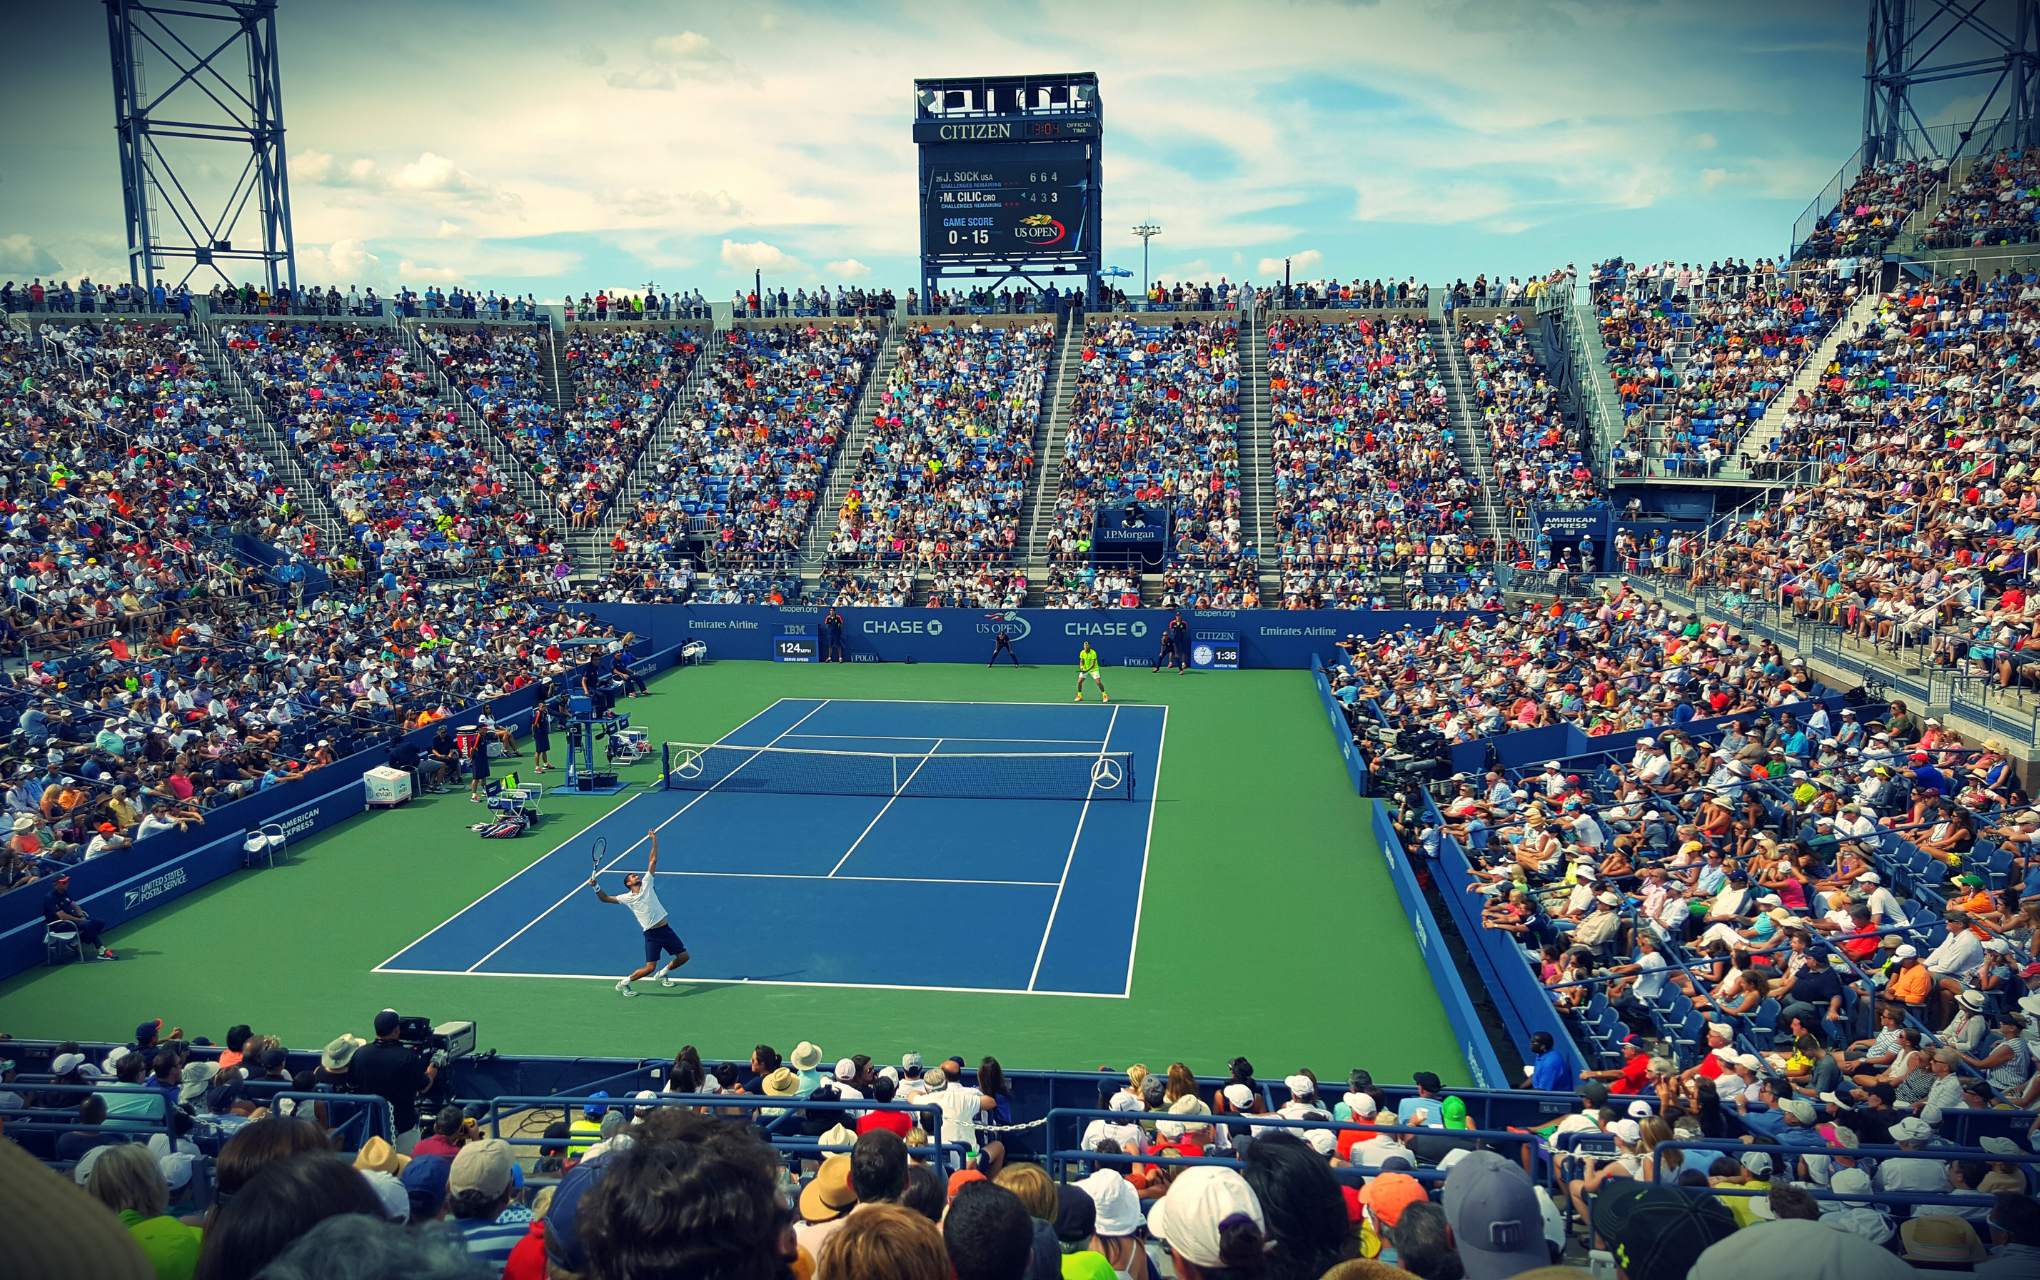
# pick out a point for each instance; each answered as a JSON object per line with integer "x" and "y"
{"x": 898, "y": 889}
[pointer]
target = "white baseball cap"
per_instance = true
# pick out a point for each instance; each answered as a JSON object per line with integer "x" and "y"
{"x": 1199, "y": 1201}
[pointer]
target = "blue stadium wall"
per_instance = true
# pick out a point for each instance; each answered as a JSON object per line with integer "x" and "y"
{"x": 1123, "y": 637}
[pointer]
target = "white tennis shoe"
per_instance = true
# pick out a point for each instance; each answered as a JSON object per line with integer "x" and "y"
{"x": 623, "y": 987}
{"x": 668, "y": 980}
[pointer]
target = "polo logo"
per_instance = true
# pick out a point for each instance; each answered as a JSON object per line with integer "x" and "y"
{"x": 153, "y": 888}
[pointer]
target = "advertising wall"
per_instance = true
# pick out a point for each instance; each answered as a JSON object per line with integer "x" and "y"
{"x": 1123, "y": 637}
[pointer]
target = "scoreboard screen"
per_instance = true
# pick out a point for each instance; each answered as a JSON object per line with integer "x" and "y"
{"x": 1006, "y": 201}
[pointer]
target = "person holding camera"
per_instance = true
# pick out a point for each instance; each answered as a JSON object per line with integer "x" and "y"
{"x": 397, "y": 1073}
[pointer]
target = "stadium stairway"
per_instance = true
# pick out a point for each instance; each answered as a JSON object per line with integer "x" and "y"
{"x": 1469, "y": 432}
{"x": 1051, "y": 434}
{"x": 313, "y": 497}
{"x": 552, "y": 374}
{"x": 1257, "y": 451}
{"x": 1768, "y": 427}
{"x": 814, "y": 545}
{"x": 529, "y": 494}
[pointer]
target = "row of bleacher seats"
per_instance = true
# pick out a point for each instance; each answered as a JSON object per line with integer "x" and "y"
{"x": 1366, "y": 478}
{"x": 949, "y": 460}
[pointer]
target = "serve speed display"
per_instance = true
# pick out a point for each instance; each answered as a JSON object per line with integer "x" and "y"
{"x": 1006, "y": 200}
{"x": 795, "y": 648}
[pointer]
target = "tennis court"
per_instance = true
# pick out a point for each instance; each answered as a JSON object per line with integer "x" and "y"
{"x": 1007, "y": 841}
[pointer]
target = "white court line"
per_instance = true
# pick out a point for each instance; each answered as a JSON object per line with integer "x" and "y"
{"x": 929, "y": 737}
{"x": 786, "y": 875}
{"x": 897, "y": 790}
{"x": 547, "y": 854}
{"x": 661, "y": 827}
{"x": 1154, "y": 797}
{"x": 775, "y": 982}
{"x": 1071, "y": 857}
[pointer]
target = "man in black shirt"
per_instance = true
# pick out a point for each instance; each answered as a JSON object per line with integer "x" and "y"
{"x": 1815, "y": 998}
{"x": 832, "y": 636}
{"x": 392, "y": 1070}
{"x": 1175, "y": 645}
{"x": 60, "y": 908}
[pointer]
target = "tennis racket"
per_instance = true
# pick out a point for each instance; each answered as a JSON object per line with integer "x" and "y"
{"x": 599, "y": 853}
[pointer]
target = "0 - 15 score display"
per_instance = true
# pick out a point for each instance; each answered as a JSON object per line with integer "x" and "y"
{"x": 1006, "y": 200}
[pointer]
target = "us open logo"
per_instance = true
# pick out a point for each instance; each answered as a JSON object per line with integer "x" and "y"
{"x": 1041, "y": 230}
{"x": 1016, "y": 627}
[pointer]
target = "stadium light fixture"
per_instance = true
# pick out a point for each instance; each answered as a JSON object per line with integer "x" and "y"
{"x": 1147, "y": 231}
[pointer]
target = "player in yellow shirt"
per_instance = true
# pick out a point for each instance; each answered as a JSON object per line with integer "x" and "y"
{"x": 1087, "y": 666}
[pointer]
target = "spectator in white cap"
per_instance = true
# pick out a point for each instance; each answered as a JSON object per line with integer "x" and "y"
{"x": 1211, "y": 1222}
{"x": 1492, "y": 1213}
{"x": 1124, "y": 1134}
{"x": 846, "y": 1086}
{"x": 1858, "y": 1217}
{"x": 1597, "y": 1171}
{"x": 1882, "y": 902}
{"x": 1119, "y": 1222}
{"x": 1912, "y": 1173}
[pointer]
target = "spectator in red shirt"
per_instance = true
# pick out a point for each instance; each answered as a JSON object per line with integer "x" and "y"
{"x": 884, "y": 1088}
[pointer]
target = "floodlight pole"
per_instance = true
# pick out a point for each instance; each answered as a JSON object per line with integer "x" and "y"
{"x": 1146, "y": 231}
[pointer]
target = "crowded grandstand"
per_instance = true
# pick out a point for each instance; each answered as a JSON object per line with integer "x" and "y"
{"x": 1665, "y": 904}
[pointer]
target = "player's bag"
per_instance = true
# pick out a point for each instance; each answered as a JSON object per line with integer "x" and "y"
{"x": 502, "y": 828}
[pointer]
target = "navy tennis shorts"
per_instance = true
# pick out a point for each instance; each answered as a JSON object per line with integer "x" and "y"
{"x": 662, "y": 938}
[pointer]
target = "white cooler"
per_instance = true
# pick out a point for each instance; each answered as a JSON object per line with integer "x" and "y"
{"x": 387, "y": 786}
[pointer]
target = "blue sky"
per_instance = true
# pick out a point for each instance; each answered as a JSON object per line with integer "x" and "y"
{"x": 543, "y": 147}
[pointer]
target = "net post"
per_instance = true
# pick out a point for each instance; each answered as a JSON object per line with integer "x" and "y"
{"x": 1131, "y": 779}
{"x": 665, "y": 766}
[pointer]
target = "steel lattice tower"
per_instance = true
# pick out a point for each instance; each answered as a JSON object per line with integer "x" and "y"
{"x": 1987, "y": 42}
{"x": 219, "y": 97}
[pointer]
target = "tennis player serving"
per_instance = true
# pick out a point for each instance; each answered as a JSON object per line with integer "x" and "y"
{"x": 1087, "y": 666}
{"x": 644, "y": 903}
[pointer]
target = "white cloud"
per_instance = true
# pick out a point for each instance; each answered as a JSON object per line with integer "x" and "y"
{"x": 1705, "y": 142}
{"x": 688, "y": 46}
{"x": 430, "y": 174}
{"x": 433, "y": 172}
{"x": 449, "y": 230}
{"x": 1299, "y": 263}
{"x": 756, "y": 255}
{"x": 846, "y": 269}
{"x": 21, "y": 256}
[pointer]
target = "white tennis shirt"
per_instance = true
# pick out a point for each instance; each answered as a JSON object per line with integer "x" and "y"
{"x": 645, "y": 905}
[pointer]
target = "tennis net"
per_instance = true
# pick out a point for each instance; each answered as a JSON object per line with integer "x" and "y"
{"x": 1046, "y": 775}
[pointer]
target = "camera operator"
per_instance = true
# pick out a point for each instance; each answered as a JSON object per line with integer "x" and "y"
{"x": 398, "y": 1073}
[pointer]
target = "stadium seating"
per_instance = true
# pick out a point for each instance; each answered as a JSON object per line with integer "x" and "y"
{"x": 1997, "y": 202}
{"x": 1878, "y": 203}
{"x": 1366, "y": 479}
{"x": 1539, "y": 456}
{"x": 1697, "y": 357}
{"x": 415, "y": 492}
{"x": 1155, "y": 418}
{"x": 743, "y": 474}
{"x": 613, "y": 383}
{"x": 947, "y": 464}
